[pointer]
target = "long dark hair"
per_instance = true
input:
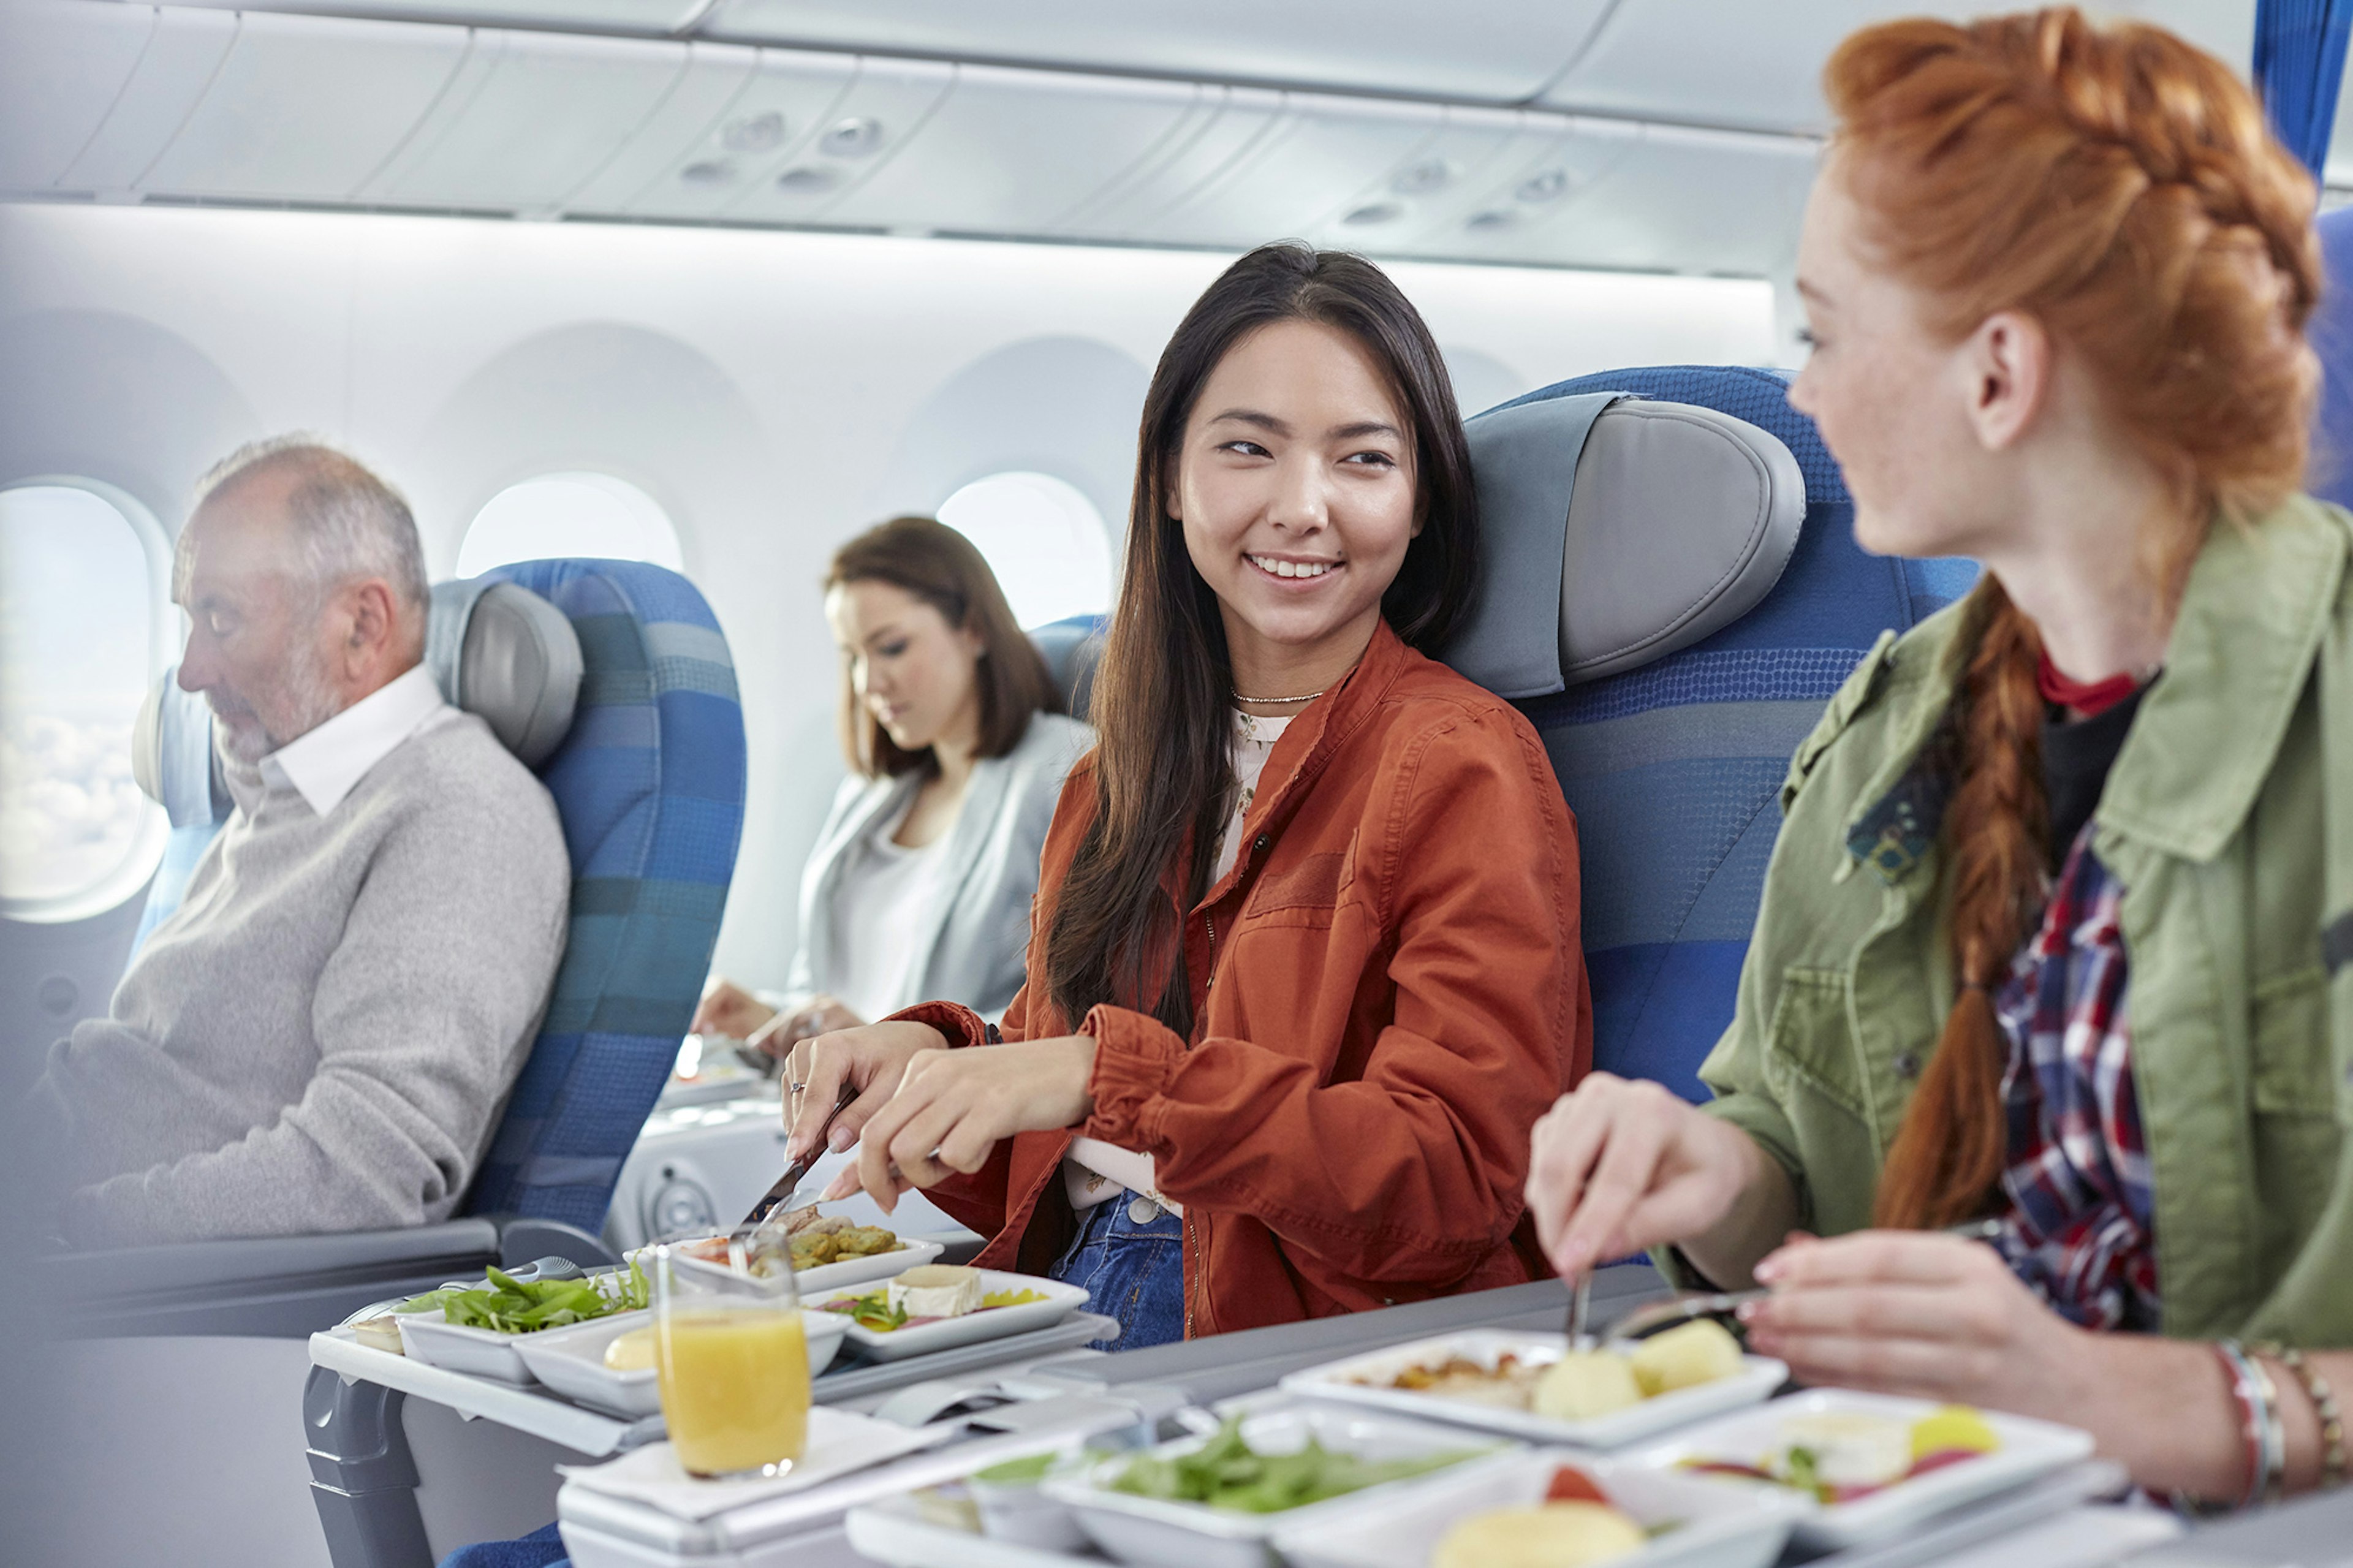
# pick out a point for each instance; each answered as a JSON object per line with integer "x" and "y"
{"x": 946, "y": 570}
{"x": 1163, "y": 774}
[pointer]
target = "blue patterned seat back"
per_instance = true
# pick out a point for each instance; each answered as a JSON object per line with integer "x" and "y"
{"x": 1674, "y": 769}
{"x": 649, "y": 784}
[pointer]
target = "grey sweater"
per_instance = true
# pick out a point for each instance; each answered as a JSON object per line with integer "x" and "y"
{"x": 321, "y": 1037}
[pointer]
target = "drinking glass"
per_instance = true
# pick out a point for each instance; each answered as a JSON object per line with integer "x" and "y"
{"x": 733, "y": 1359}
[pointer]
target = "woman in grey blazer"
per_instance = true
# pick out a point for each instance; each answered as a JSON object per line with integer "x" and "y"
{"x": 920, "y": 882}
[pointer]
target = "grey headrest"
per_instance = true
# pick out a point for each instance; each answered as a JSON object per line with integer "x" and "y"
{"x": 505, "y": 653}
{"x": 1615, "y": 530}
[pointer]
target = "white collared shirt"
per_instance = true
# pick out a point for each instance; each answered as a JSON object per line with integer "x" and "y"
{"x": 326, "y": 760}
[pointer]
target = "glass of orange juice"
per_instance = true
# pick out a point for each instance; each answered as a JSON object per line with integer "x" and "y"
{"x": 733, "y": 1360}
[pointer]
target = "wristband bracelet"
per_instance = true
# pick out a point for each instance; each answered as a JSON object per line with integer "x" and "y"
{"x": 2266, "y": 1434}
{"x": 2333, "y": 1467}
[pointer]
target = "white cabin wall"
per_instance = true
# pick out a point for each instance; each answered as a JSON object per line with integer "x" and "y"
{"x": 764, "y": 387}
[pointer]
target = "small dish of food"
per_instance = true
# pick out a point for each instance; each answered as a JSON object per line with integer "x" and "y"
{"x": 475, "y": 1328}
{"x": 1217, "y": 1500}
{"x": 938, "y": 1306}
{"x": 828, "y": 1252}
{"x": 1530, "y": 1385}
{"x": 1873, "y": 1465}
{"x": 609, "y": 1366}
{"x": 1556, "y": 1509}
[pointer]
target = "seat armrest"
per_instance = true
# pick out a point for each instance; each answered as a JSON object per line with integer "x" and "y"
{"x": 268, "y": 1286}
{"x": 523, "y": 1238}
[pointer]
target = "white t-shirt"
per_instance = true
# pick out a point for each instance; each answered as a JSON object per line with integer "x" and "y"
{"x": 1094, "y": 1171}
{"x": 875, "y": 913}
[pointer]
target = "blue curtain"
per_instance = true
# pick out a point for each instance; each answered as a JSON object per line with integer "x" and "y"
{"x": 2299, "y": 65}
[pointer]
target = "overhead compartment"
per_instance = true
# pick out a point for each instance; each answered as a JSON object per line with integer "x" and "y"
{"x": 880, "y": 116}
{"x": 1222, "y": 129}
{"x": 529, "y": 118}
{"x": 175, "y": 68}
{"x": 641, "y": 16}
{"x": 304, "y": 107}
{"x": 1502, "y": 54}
{"x": 786, "y": 98}
{"x": 1010, "y": 152}
{"x": 62, "y": 66}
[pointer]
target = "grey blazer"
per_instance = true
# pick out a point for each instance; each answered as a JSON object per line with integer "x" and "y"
{"x": 976, "y": 938}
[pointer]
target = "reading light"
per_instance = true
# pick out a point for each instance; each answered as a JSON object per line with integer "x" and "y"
{"x": 1421, "y": 178}
{"x": 1542, "y": 187}
{"x": 805, "y": 180}
{"x": 754, "y": 134}
{"x": 709, "y": 171}
{"x": 851, "y": 137}
{"x": 1377, "y": 212}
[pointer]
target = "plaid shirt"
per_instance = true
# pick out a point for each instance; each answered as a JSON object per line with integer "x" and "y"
{"x": 2077, "y": 1229}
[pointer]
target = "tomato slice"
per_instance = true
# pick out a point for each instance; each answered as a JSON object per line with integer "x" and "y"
{"x": 1570, "y": 1484}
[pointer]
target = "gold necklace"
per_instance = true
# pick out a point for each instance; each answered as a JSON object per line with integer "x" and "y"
{"x": 1279, "y": 702}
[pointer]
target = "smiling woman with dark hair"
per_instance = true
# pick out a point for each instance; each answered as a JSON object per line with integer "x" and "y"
{"x": 1304, "y": 964}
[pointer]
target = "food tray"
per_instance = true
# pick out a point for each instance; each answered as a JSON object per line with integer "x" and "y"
{"x": 1161, "y": 1533}
{"x": 486, "y": 1352}
{"x": 571, "y": 1361}
{"x": 949, "y": 1333}
{"x": 1347, "y": 1382}
{"x": 1711, "y": 1526}
{"x": 2030, "y": 1448}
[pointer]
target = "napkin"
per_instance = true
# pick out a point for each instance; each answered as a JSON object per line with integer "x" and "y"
{"x": 839, "y": 1442}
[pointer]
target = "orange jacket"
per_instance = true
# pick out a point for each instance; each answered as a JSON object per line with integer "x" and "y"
{"x": 1387, "y": 992}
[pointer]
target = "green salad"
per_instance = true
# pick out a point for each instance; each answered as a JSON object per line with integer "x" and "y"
{"x": 511, "y": 1305}
{"x": 1227, "y": 1472}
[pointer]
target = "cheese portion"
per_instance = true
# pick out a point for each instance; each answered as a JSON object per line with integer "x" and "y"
{"x": 1584, "y": 1385}
{"x": 936, "y": 1290}
{"x": 1556, "y": 1535}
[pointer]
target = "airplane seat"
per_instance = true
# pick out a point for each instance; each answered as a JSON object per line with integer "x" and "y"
{"x": 1671, "y": 594}
{"x": 614, "y": 680}
{"x": 1071, "y": 647}
{"x": 2330, "y": 475}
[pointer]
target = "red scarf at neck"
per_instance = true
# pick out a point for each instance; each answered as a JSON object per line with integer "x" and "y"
{"x": 2085, "y": 697}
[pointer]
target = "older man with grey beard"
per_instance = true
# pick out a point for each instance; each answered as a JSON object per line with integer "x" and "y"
{"x": 322, "y": 1035}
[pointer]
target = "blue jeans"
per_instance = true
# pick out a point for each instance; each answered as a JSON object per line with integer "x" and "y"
{"x": 1135, "y": 1272}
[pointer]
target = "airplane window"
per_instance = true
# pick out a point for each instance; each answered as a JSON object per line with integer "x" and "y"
{"x": 1043, "y": 539}
{"x": 566, "y": 515}
{"x": 81, "y": 637}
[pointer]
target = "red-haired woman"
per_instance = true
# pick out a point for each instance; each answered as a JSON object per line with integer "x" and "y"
{"x": 2054, "y": 934}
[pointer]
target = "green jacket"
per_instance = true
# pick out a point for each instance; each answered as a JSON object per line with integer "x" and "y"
{"x": 2229, "y": 819}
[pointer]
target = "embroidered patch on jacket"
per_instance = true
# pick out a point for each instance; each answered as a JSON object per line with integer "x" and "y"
{"x": 1314, "y": 883}
{"x": 1895, "y": 834}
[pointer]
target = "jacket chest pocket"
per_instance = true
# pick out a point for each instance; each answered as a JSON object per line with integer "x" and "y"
{"x": 1813, "y": 1071}
{"x": 1305, "y": 895}
{"x": 2292, "y": 1083}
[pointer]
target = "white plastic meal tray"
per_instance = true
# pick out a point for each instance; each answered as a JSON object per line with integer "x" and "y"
{"x": 1700, "y": 1525}
{"x": 948, "y": 1333}
{"x": 1160, "y": 1533}
{"x": 1363, "y": 1379}
{"x": 571, "y": 1361}
{"x": 2029, "y": 1449}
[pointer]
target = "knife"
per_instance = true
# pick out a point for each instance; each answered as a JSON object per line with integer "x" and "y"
{"x": 799, "y": 1169}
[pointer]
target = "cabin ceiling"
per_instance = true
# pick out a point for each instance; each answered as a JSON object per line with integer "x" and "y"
{"x": 1674, "y": 135}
